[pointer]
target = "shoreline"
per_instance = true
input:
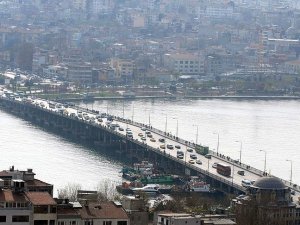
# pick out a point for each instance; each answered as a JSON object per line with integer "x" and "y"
{"x": 186, "y": 97}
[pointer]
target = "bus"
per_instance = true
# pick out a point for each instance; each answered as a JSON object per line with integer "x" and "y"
{"x": 224, "y": 169}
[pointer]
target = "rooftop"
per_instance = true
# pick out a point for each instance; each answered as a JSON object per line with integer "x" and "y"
{"x": 273, "y": 183}
{"x": 10, "y": 196}
{"x": 40, "y": 198}
{"x": 102, "y": 211}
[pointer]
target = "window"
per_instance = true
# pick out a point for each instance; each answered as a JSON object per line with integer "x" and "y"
{"x": 107, "y": 223}
{"x": 2, "y": 219}
{"x": 52, "y": 209}
{"x": 61, "y": 223}
{"x": 73, "y": 223}
{"x": 41, "y": 209}
{"x": 20, "y": 218}
{"x": 52, "y": 222}
{"x": 122, "y": 223}
{"x": 88, "y": 222}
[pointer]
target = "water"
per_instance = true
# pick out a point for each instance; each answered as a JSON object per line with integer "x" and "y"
{"x": 272, "y": 126}
{"x": 54, "y": 160}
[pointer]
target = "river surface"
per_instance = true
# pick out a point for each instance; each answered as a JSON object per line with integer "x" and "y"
{"x": 272, "y": 126}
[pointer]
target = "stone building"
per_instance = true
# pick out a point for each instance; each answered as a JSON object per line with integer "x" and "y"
{"x": 267, "y": 202}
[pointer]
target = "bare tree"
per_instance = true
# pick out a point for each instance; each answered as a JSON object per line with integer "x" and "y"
{"x": 107, "y": 190}
{"x": 69, "y": 191}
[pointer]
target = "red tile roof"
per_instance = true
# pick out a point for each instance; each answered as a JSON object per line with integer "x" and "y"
{"x": 37, "y": 183}
{"x": 40, "y": 198}
{"x": 9, "y": 196}
{"x": 102, "y": 211}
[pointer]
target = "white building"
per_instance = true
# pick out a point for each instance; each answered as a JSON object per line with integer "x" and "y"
{"x": 184, "y": 64}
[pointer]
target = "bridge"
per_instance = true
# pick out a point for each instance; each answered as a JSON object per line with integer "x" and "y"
{"x": 134, "y": 141}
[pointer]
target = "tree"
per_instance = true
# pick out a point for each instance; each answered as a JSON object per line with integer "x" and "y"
{"x": 107, "y": 190}
{"x": 69, "y": 191}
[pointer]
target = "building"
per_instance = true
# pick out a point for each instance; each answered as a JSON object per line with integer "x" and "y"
{"x": 136, "y": 210}
{"x": 43, "y": 208}
{"x": 80, "y": 73}
{"x": 190, "y": 219}
{"x": 267, "y": 202}
{"x": 107, "y": 213}
{"x": 124, "y": 69}
{"x": 184, "y": 63}
{"x": 25, "y": 200}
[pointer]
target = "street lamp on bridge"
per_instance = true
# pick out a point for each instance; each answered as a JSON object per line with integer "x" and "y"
{"x": 241, "y": 148}
{"x": 196, "y": 133}
{"x": 265, "y": 163}
{"x": 218, "y": 142}
{"x": 291, "y": 176}
{"x": 175, "y": 118}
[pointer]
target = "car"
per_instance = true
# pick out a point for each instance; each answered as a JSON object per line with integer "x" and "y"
{"x": 140, "y": 134}
{"x": 246, "y": 183}
{"x": 215, "y": 165}
{"x": 191, "y": 161}
{"x": 128, "y": 129}
{"x": 208, "y": 156}
{"x": 199, "y": 162}
{"x": 121, "y": 129}
{"x": 161, "y": 140}
{"x": 148, "y": 132}
{"x": 177, "y": 146}
{"x": 193, "y": 156}
{"x": 143, "y": 138}
{"x": 170, "y": 146}
{"x": 179, "y": 156}
{"x": 190, "y": 150}
{"x": 129, "y": 135}
{"x": 143, "y": 129}
{"x": 179, "y": 152}
{"x": 149, "y": 135}
{"x": 100, "y": 120}
{"x": 241, "y": 172}
{"x": 162, "y": 147}
{"x": 152, "y": 140}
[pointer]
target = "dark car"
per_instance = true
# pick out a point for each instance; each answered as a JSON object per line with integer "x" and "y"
{"x": 161, "y": 140}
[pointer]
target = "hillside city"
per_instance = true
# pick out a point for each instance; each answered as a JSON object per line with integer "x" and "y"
{"x": 193, "y": 47}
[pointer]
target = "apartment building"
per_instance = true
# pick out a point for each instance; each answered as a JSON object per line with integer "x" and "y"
{"x": 184, "y": 63}
{"x": 25, "y": 200}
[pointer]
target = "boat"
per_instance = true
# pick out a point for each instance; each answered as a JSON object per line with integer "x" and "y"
{"x": 148, "y": 189}
{"x": 153, "y": 189}
{"x": 157, "y": 179}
